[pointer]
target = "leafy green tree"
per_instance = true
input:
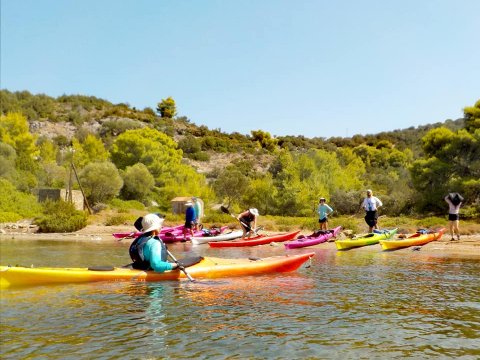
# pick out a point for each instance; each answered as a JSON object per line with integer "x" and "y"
{"x": 261, "y": 193}
{"x": 264, "y": 139}
{"x": 148, "y": 146}
{"x": 15, "y": 132}
{"x": 451, "y": 163}
{"x": 90, "y": 150}
{"x": 101, "y": 181}
{"x": 167, "y": 108}
{"x": 137, "y": 182}
{"x": 472, "y": 117}
{"x": 159, "y": 153}
{"x": 230, "y": 186}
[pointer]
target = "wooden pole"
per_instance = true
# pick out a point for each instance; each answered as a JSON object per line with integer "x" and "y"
{"x": 81, "y": 188}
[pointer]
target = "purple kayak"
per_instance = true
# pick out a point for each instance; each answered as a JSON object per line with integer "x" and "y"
{"x": 317, "y": 237}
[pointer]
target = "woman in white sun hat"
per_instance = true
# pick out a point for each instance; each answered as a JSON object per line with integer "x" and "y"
{"x": 248, "y": 220}
{"x": 148, "y": 251}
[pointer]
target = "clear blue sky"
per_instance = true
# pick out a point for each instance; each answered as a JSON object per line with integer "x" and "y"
{"x": 297, "y": 67}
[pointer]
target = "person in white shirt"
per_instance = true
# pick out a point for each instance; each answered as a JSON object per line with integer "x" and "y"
{"x": 370, "y": 205}
{"x": 454, "y": 201}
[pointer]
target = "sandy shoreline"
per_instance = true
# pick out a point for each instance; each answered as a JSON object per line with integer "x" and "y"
{"x": 469, "y": 245}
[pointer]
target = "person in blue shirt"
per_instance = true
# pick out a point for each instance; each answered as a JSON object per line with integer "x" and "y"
{"x": 323, "y": 212}
{"x": 148, "y": 251}
{"x": 189, "y": 220}
{"x": 197, "y": 205}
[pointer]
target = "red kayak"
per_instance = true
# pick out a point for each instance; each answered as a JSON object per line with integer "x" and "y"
{"x": 257, "y": 240}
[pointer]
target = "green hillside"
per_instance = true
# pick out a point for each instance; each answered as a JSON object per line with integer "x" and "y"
{"x": 151, "y": 156}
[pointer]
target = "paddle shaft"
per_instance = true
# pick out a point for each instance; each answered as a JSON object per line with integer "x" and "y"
{"x": 225, "y": 210}
{"x": 181, "y": 267}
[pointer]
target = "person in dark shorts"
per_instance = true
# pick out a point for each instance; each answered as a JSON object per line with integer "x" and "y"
{"x": 189, "y": 220}
{"x": 323, "y": 211}
{"x": 454, "y": 201}
{"x": 371, "y": 204}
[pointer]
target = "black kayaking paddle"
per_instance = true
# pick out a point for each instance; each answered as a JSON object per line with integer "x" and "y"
{"x": 226, "y": 211}
{"x": 181, "y": 267}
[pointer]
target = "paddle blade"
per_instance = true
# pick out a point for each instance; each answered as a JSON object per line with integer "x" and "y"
{"x": 224, "y": 210}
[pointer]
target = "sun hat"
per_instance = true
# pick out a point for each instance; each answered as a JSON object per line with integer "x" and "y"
{"x": 322, "y": 199}
{"x": 254, "y": 211}
{"x": 151, "y": 222}
{"x": 369, "y": 191}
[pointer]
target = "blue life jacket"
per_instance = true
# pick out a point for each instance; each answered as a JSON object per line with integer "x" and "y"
{"x": 136, "y": 252}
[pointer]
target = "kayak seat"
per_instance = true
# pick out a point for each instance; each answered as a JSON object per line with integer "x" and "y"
{"x": 101, "y": 268}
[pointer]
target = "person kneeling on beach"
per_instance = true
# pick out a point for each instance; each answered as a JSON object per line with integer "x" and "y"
{"x": 148, "y": 251}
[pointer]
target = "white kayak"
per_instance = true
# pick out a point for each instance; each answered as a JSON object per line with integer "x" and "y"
{"x": 198, "y": 240}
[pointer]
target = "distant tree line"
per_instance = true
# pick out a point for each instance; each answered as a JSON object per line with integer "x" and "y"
{"x": 140, "y": 155}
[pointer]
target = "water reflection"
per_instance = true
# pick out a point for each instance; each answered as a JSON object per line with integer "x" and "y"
{"x": 356, "y": 304}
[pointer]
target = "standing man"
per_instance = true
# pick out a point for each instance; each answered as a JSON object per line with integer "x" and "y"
{"x": 370, "y": 205}
{"x": 189, "y": 220}
{"x": 197, "y": 205}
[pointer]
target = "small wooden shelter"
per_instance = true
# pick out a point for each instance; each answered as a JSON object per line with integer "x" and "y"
{"x": 178, "y": 204}
{"x": 75, "y": 196}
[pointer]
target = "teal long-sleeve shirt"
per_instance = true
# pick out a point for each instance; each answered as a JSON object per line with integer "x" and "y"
{"x": 154, "y": 252}
{"x": 324, "y": 210}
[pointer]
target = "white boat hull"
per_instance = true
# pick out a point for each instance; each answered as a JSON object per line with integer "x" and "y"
{"x": 198, "y": 240}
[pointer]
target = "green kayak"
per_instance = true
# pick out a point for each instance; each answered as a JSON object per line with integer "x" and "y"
{"x": 366, "y": 239}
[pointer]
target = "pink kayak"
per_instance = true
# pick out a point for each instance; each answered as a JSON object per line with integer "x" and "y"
{"x": 317, "y": 237}
{"x": 177, "y": 236}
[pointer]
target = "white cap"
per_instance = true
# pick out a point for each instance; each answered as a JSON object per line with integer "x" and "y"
{"x": 254, "y": 211}
{"x": 188, "y": 203}
{"x": 151, "y": 222}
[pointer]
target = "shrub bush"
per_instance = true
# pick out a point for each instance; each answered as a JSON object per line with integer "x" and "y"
{"x": 17, "y": 202}
{"x": 123, "y": 205}
{"x": 118, "y": 219}
{"x": 60, "y": 216}
{"x": 8, "y": 216}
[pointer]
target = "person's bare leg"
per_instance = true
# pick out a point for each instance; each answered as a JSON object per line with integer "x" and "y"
{"x": 456, "y": 229}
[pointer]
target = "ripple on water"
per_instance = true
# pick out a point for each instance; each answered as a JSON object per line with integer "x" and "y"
{"x": 356, "y": 304}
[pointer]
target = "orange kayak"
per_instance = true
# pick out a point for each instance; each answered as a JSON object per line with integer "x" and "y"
{"x": 258, "y": 240}
{"x": 208, "y": 268}
{"x": 416, "y": 239}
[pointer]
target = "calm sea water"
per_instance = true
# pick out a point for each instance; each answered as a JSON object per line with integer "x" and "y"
{"x": 359, "y": 304}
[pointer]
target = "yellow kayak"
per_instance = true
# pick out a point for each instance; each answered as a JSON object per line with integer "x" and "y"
{"x": 366, "y": 239}
{"x": 208, "y": 268}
